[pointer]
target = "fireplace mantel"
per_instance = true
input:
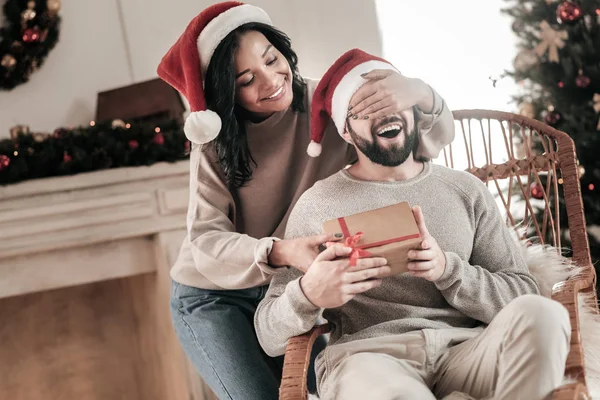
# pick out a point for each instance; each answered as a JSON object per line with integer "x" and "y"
{"x": 84, "y": 282}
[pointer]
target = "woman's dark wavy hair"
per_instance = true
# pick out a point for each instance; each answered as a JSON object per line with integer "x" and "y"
{"x": 231, "y": 144}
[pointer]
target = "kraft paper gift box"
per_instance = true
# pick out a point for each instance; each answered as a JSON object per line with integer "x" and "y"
{"x": 388, "y": 232}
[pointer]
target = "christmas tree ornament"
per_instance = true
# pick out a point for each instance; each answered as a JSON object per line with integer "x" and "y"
{"x": 553, "y": 118}
{"x": 133, "y": 144}
{"x": 568, "y": 12}
{"x": 8, "y": 62}
{"x": 524, "y": 60}
{"x": 581, "y": 171}
{"x": 537, "y": 191}
{"x": 159, "y": 138}
{"x": 561, "y": 84}
{"x": 582, "y": 81}
{"x": 28, "y": 14}
{"x": 32, "y": 35}
{"x": 527, "y": 110}
{"x": 4, "y": 162}
{"x": 18, "y": 130}
{"x": 118, "y": 123}
{"x": 550, "y": 41}
{"x": 39, "y": 137}
{"x": 53, "y": 6}
{"x": 67, "y": 157}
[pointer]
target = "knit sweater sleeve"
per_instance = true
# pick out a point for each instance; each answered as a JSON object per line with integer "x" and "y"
{"x": 495, "y": 274}
{"x": 436, "y": 128}
{"x": 229, "y": 259}
{"x": 285, "y": 311}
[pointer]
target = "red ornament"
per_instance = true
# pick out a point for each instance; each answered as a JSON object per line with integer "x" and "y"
{"x": 133, "y": 144}
{"x": 537, "y": 191}
{"x": 159, "y": 139}
{"x": 568, "y": 12}
{"x": 66, "y": 157}
{"x": 561, "y": 84}
{"x": 4, "y": 162}
{"x": 32, "y": 35}
{"x": 582, "y": 81}
{"x": 553, "y": 118}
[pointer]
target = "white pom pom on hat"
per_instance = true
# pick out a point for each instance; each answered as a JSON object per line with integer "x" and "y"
{"x": 185, "y": 64}
{"x": 314, "y": 149}
{"x": 202, "y": 126}
{"x": 335, "y": 90}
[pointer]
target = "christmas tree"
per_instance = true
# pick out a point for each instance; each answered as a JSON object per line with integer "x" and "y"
{"x": 558, "y": 70}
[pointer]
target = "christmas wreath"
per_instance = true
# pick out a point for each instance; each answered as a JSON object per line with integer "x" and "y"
{"x": 30, "y": 31}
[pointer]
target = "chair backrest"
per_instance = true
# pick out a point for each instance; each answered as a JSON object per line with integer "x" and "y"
{"x": 531, "y": 168}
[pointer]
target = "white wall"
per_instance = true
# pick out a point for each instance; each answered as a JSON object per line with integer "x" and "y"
{"x": 97, "y": 52}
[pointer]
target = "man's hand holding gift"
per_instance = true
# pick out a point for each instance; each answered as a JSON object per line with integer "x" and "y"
{"x": 428, "y": 261}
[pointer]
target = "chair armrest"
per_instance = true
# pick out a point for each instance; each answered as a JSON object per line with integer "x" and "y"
{"x": 567, "y": 293}
{"x": 296, "y": 362}
{"x": 571, "y": 391}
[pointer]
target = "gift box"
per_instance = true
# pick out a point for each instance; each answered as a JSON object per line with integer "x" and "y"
{"x": 388, "y": 232}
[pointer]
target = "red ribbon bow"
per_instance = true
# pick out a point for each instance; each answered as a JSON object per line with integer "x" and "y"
{"x": 357, "y": 252}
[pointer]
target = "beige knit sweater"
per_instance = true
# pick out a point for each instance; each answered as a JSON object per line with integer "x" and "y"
{"x": 230, "y": 233}
{"x": 484, "y": 271}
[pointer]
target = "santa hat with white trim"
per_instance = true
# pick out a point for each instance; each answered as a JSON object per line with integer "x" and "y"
{"x": 333, "y": 93}
{"x": 185, "y": 64}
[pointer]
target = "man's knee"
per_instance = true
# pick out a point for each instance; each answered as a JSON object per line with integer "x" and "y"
{"x": 368, "y": 375}
{"x": 540, "y": 316}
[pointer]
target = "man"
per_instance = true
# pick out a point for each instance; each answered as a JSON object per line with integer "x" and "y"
{"x": 465, "y": 322}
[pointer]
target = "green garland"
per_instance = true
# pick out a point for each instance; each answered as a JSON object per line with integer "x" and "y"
{"x": 30, "y": 32}
{"x": 83, "y": 149}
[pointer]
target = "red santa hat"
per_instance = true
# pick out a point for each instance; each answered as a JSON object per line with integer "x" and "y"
{"x": 333, "y": 93}
{"x": 185, "y": 64}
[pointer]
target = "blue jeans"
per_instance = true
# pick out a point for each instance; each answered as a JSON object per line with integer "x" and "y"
{"x": 216, "y": 330}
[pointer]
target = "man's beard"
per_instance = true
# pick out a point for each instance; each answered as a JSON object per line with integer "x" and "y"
{"x": 391, "y": 156}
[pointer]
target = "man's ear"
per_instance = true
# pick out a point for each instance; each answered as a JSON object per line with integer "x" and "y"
{"x": 346, "y": 135}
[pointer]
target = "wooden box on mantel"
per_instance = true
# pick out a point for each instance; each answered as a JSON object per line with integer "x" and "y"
{"x": 151, "y": 101}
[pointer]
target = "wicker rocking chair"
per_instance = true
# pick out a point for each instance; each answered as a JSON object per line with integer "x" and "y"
{"x": 498, "y": 148}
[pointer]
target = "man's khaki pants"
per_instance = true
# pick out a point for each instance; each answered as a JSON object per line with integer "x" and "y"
{"x": 520, "y": 355}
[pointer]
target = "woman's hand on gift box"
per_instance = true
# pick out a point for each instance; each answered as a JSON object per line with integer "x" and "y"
{"x": 428, "y": 261}
{"x": 300, "y": 252}
{"x": 332, "y": 282}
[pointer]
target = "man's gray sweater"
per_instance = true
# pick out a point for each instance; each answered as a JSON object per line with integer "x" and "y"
{"x": 484, "y": 268}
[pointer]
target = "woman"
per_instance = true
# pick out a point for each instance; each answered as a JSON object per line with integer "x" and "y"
{"x": 250, "y": 114}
